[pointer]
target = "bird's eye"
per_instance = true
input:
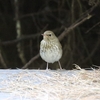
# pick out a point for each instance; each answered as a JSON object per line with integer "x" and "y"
{"x": 49, "y": 35}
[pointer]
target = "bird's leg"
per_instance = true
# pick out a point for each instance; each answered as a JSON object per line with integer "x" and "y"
{"x": 47, "y": 66}
{"x": 59, "y": 64}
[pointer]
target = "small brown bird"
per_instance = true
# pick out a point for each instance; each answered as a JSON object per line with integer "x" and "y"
{"x": 50, "y": 48}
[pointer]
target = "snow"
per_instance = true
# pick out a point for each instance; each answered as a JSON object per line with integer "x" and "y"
{"x": 49, "y": 84}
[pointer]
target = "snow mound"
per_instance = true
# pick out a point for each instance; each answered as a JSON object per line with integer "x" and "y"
{"x": 49, "y": 85}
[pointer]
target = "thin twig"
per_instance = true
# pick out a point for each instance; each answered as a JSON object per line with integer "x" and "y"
{"x": 11, "y": 42}
{"x": 35, "y": 57}
{"x": 2, "y": 61}
{"x": 23, "y": 38}
{"x": 92, "y": 27}
{"x": 82, "y": 19}
{"x": 67, "y": 30}
{"x": 93, "y": 51}
{"x": 31, "y": 61}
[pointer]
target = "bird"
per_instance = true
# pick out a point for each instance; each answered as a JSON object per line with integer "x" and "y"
{"x": 50, "y": 48}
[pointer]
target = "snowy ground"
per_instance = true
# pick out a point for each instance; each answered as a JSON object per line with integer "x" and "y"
{"x": 49, "y": 85}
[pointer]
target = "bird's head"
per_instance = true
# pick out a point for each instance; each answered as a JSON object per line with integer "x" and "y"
{"x": 49, "y": 35}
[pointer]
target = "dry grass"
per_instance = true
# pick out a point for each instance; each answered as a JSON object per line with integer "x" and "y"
{"x": 52, "y": 85}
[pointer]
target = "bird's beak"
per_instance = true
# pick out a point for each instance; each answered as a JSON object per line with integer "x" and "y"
{"x": 43, "y": 34}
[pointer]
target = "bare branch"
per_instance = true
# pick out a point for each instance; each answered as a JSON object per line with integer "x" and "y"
{"x": 31, "y": 61}
{"x": 2, "y": 60}
{"x": 93, "y": 51}
{"x": 82, "y": 19}
{"x": 23, "y": 38}
{"x": 92, "y": 27}
{"x": 67, "y": 30}
{"x": 19, "y": 39}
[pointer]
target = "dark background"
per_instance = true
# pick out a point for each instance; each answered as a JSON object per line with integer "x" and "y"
{"x": 23, "y": 21}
